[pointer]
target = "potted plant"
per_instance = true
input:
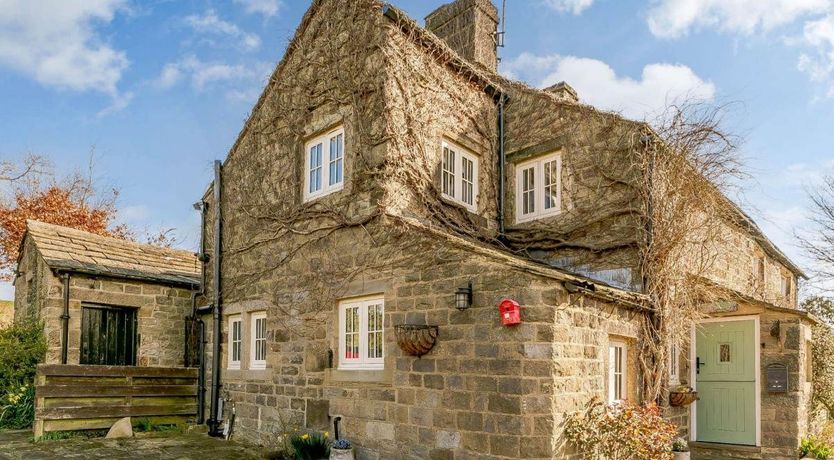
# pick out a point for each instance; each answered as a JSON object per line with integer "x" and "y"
{"x": 682, "y": 396}
{"x": 680, "y": 449}
{"x": 341, "y": 450}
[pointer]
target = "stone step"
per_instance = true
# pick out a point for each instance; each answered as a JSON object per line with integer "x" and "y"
{"x": 715, "y": 451}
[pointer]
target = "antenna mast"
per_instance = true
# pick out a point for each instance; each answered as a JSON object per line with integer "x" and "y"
{"x": 502, "y": 29}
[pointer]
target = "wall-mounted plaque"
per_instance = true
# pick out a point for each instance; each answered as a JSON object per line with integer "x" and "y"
{"x": 777, "y": 378}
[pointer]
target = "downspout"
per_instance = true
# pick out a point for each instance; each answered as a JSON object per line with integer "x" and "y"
{"x": 502, "y": 99}
{"x": 201, "y": 333}
{"x": 213, "y": 422}
{"x": 65, "y": 318}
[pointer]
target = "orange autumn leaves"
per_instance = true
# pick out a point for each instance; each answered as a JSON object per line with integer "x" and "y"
{"x": 54, "y": 205}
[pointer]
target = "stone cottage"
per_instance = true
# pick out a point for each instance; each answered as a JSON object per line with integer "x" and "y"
{"x": 105, "y": 300}
{"x": 389, "y": 203}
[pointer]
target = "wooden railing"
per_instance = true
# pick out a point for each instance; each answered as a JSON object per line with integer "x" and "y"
{"x": 73, "y": 397}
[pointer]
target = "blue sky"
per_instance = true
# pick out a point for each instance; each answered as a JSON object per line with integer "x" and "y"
{"x": 159, "y": 89}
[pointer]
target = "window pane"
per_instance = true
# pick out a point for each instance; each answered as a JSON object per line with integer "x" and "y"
{"x": 336, "y": 160}
{"x": 315, "y": 168}
{"x": 375, "y": 313}
{"x": 551, "y": 179}
{"x": 235, "y": 340}
{"x": 448, "y": 180}
{"x": 352, "y": 333}
{"x": 260, "y": 339}
{"x": 467, "y": 180}
{"x": 528, "y": 194}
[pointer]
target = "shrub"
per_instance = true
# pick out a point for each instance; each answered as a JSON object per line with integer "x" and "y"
{"x": 311, "y": 447}
{"x": 22, "y": 347}
{"x": 819, "y": 448}
{"x": 620, "y": 432}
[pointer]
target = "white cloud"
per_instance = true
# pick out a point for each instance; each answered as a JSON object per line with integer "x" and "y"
{"x": 818, "y": 63}
{"x": 268, "y": 8}
{"x": 210, "y": 23}
{"x": 55, "y": 43}
{"x": 599, "y": 85}
{"x": 573, "y": 6}
{"x": 242, "y": 82}
{"x": 674, "y": 18}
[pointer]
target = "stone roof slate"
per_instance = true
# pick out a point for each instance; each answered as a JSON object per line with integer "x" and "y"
{"x": 76, "y": 250}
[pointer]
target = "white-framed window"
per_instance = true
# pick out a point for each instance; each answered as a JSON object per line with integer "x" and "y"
{"x": 235, "y": 341}
{"x": 674, "y": 364}
{"x": 257, "y": 350}
{"x": 539, "y": 187}
{"x": 459, "y": 175}
{"x": 324, "y": 164}
{"x": 617, "y": 365}
{"x": 787, "y": 285}
{"x": 361, "y": 336}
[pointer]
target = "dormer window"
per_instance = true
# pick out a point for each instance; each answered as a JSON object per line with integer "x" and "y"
{"x": 539, "y": 187}
{"x": 324, "y": 164}
{"x": 459, "y": 176}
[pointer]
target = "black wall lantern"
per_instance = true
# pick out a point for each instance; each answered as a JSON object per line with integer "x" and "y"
{"x": 463, "y": 297}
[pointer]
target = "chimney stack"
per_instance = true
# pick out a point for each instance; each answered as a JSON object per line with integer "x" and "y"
{"x": 469, "y": 27}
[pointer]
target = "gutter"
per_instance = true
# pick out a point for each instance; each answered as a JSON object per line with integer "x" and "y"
{"x": 502, "y": 100}
{"x": 214, "y": 419}
{"x": 201, "y": 206}
{"x": 65, "y": 276}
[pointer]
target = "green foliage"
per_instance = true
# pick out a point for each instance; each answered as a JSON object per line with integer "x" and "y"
{"x": 146, "y": 425}
{"x": 823, "y": 348}
{"x": 819, "y": 448}
{"x": 22, "y": 347}
{"x": 621, "y": 432}
{"x": 680, "y": 445}
{"x": 310, "y": 447}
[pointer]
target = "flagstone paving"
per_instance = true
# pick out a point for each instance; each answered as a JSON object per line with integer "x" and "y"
{"x": 18, "y": 445}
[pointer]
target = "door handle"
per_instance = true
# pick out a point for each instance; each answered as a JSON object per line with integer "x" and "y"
{"x": 698, "y": 364}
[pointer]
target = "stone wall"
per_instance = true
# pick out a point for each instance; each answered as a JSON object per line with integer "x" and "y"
{"x": 6, "y": 313}
{"x": 161, "y": 310}
{"x": 484, "y": 391}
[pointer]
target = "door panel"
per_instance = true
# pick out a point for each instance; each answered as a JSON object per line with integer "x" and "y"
{"x": 108, "y": 335}
{"x": 726, "y": 379}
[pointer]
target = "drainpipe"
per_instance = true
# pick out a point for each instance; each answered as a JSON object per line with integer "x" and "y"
{"x": 65, "y": 318}
{"x": 213, "y": 422}
{"x": 502, "y": 99}
{"x": 201, "y": 333}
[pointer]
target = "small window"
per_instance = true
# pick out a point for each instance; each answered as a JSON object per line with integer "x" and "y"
{"x": 674, "y": 365}
{"x": 539, "y": 187}
{"x": 617, "y": 363}
{"x": 459, "y": 176}
{"x": 361, "y": 334}
{"x": 324, "y": 164}
{"x": 258, "y": 350}
{"x": 759, "y": 270}
{"x": 724, "y": 353}
{"x": 235, "y": 339}
{"x": 787, "y": 286}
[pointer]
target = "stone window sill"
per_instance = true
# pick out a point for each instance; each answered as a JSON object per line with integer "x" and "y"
{"x": 379, "y": 377}
{"x": 246, "y": 374}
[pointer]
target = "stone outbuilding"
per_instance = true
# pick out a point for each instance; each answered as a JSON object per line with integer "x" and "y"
{"x": 105, "y": 300}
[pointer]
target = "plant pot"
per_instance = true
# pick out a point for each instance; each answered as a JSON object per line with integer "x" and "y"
{"x": 341, "y": 454}
{"x": 681, "y": 455}
{"x": 677, "y": 399}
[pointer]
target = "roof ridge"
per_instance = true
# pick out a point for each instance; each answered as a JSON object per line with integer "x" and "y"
{"x": 114, "y": 239}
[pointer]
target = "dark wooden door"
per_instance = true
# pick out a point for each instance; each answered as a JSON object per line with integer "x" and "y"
{"x": 108, "y": 335}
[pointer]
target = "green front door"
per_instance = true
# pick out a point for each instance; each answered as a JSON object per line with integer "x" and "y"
{"x": 726, "y": 382}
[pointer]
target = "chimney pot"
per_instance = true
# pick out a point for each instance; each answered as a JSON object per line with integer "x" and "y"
{"x": 469, "y": 27}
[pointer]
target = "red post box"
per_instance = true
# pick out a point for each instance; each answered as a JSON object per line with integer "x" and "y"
{"x": 510, "y": 312}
